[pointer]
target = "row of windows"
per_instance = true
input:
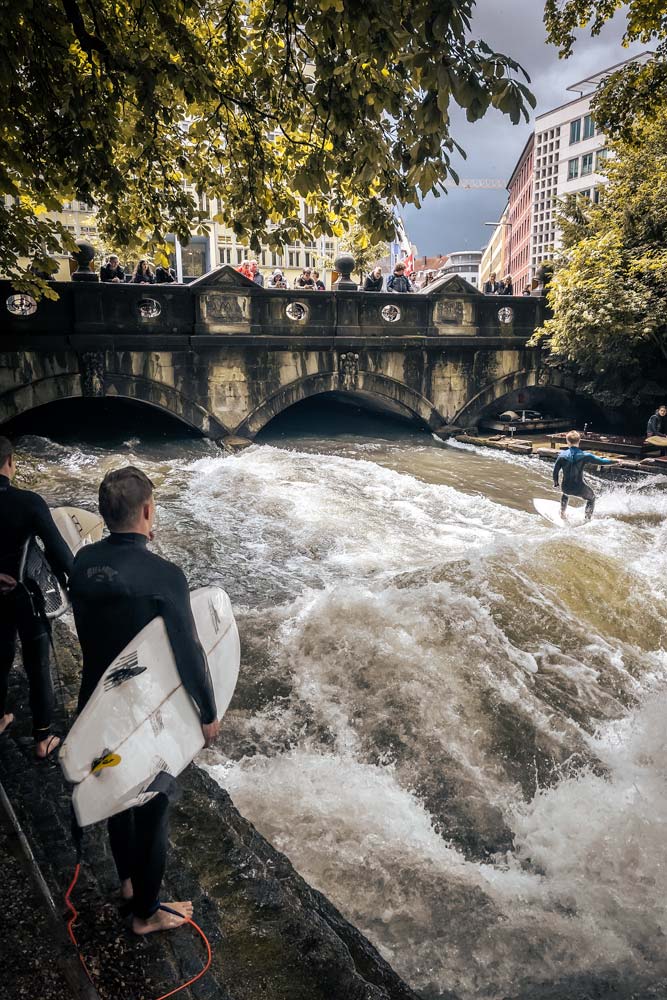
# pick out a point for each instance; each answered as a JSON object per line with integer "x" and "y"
{"x": 576, "y": 131}
{"x": 583, "y": 166}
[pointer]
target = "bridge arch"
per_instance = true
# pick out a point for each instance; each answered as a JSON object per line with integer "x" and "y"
{"x": 392, "y": 395}
{"x": 548, "y": 382}
{"x": 68, "y": 385}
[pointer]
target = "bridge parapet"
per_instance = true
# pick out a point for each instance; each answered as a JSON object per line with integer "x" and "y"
{"x": 225, "y": 304}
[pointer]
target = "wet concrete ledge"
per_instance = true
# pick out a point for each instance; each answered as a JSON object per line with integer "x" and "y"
{"x": 273, "y": 936}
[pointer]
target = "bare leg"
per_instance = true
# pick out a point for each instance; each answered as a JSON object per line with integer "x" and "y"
{"x": 563, "y": 505}
{"x": 163, "y": 921}
{"x": 5, "y": 721}
{"x": 45, "y": 748}
{"x": 126, "y": 890}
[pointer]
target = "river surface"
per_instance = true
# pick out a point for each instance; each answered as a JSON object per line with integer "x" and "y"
{"x": 450, "y": 714}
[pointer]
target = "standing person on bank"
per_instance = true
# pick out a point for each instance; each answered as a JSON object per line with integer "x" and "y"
{"x": 117, "y": 587}
{"x": 24, "y": 514}
{"x": 112, "y": 271}
{"x": 142, "y": 274}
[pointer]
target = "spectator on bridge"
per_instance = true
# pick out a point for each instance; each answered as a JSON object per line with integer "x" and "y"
{"x": 277, "y": 279}
{"x": 165, "y": 275}
{"x": 112, "y": 271}
{"x": 142, "y": 274}
{"x": 374, "y": 280}
{"x": 506, "y": 286}
{"x": 305, "y": 279}
{"x": 246, "y": 270}
{"x": 526, "y": 291}
{"x": 319, "y": 284}
{"x": 492, "y": 287}
{"x": 399, "y": 281}
{"x": 257, "y": 275}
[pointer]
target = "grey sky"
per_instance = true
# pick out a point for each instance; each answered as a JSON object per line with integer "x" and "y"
{"x": 515, "y": 27}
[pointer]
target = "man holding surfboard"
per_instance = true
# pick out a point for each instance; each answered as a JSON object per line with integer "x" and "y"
{"x": 117, "y": 587}
{"x": 572, "y": 463}
{"x": 25, "y": 515}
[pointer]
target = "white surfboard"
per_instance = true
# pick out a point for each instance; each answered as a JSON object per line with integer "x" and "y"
{"x": 550, "y": 509}
{"x": 78, "y": 527}
{"x": 140, "y": 722}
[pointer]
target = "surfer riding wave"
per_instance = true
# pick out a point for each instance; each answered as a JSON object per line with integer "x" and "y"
{"x": 572, "y": 463}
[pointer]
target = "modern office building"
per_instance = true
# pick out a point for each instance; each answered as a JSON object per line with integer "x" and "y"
{"x": 562, "y": 157}
{"x": 465, "y": 263}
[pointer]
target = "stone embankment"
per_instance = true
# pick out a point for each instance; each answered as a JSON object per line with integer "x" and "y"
{"x": 273, "y": 936}
{"x": 625, "y": 468}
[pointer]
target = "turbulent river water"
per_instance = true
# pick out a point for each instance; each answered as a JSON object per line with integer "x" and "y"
{"x": 450, "y": 714}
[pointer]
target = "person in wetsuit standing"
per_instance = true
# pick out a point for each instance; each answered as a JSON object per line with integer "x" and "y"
{"x": 23, "y": 515}
{"x": 572, "y": 463}
{"x": 117, "y": 587}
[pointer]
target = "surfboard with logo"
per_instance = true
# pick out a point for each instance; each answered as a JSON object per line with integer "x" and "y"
{"x": 140, "y": 725}
{"x": 78, "y": 527}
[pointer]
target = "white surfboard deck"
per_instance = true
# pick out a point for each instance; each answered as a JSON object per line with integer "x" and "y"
{"x": 550, "y": 509}
{"x": 141, "y": 717}
{"x": 78, "y": 527}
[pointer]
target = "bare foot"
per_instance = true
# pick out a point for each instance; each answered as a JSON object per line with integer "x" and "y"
{"x": 46, "y": 747}
{"x": 5, "y": 721}
{"x": 163, "y": 921}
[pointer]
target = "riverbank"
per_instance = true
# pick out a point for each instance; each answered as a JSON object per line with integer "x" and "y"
{"x": 542, "y": 448}
{"x": 272, "y": 935}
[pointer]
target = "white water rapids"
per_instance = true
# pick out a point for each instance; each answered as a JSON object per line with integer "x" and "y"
{"x": 450, "y": 715}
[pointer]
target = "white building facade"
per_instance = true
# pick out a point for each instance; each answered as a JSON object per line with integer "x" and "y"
{"x": 569, "y": 151}
{"x": 465, "y": 263}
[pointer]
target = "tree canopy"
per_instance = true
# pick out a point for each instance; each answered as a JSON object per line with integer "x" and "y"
{"x": 609, "y": 290}
{"x": 253, "y": 103}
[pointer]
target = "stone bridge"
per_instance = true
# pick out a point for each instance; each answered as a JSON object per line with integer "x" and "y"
{"x": 226, "y": 356}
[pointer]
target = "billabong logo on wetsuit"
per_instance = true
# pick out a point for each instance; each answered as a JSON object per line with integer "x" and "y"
{"x": 215, "y": 617}
{"x": 128, "y": 666}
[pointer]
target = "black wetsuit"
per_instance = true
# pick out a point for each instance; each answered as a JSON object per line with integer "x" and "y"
{"x": 24, "y": 514}
{"x": 572, "y": 462}
{"x": 117, "y": 587}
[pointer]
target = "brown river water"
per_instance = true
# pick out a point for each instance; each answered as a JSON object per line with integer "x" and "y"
{"x": 450, "y": 714}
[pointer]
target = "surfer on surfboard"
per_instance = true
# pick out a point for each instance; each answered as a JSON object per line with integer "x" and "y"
{"x": 117, "y": 587}
{"x": 25, "y": 515}
{"x": 572, "y": 463}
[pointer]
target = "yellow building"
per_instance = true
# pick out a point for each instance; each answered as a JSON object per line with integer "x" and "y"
{"x": 495, "y": 258}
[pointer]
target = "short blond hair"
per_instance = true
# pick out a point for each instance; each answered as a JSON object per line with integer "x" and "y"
{"x": 573, "y": 437}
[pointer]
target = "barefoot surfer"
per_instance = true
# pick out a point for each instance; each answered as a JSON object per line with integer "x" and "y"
{"x": 118, "y": 586}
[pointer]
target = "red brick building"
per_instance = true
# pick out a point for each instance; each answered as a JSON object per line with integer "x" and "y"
{"x": 519, "y": 216}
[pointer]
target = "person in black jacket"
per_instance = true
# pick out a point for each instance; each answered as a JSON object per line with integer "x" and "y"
{"x": 24, "y": 515}
{"x": 657, "y": 423}
{"x": 164, "y": 275}
{"x": 112, "y": 271}
{"x": 142, "y": 274}
{"x": 399, "y": 281}
{"x": 373, "y": 282}
{"x": 117, "y": 587}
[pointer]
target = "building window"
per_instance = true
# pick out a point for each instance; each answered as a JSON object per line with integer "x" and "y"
{"x": 240, "y": 255}
{"x": 600, "y": 157}
{"x": 589, "y": 127}
{"x": 596, "y": 196}
{"x": 575, "y": 130}
{"x": 573, "y": 168}
{"x": 586, "y": 164}
{"x": 293, "y": 258}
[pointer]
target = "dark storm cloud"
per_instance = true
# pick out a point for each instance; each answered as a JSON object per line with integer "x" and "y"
{"x": 515, "y": 27}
